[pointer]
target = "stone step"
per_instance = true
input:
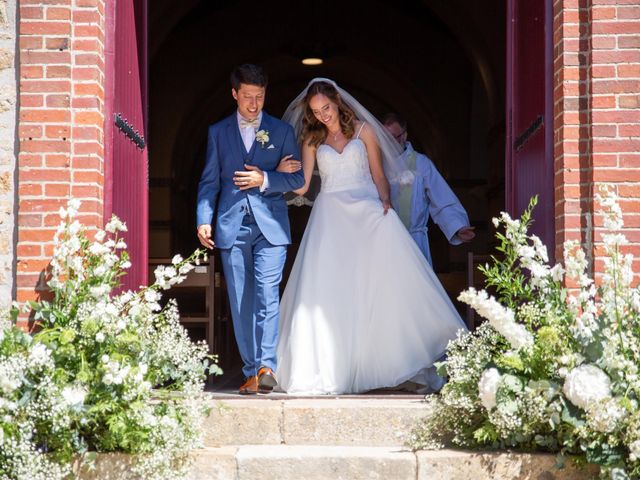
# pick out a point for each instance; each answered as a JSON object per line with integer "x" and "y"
{"x": 311, "y": 462}
{"x": 330, "y": 421}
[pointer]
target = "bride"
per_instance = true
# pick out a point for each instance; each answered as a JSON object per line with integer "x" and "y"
{"x": 362, "y": 308}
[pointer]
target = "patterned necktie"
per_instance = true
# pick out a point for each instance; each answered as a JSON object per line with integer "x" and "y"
{"x": 249, "y": 123}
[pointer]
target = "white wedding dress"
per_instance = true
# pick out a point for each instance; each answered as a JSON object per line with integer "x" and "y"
{"x": 362, "y": 308}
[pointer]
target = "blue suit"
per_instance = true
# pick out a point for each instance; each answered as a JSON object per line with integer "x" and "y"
{"x": 251, "y": 230}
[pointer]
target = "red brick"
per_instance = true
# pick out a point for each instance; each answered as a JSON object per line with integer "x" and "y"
{"x": 43, "y": 205}
{"x": 89, "y": 89}
{"x": 31, "y": 100}
{"x": 616, "y": 145}
{"x": 603, "y": 160}
{"x": 28, "y": 71}
{"x": 604, "y": 130}
{"x": 57, "y": 190}
{"x": 46, "y": 58}
{"x": 87, "y": 45}
{"x": 616, "y": 86}
{"x": 629, "y": 190}
{"x": 29, "y": 160}
{"x": 57, "y": 13}
{"x": 632, "y": 70}
{"x": 53, "y": 160}
{"x": 44, "y": 174}
{"x": 87, "y": 133}
{"x": 88, "y": 148}
{"x": 615, "y": 56}
{"x": 85, "y": 191}
{"x": 60, "y": 44}
{"x": 84, "y": 118}
{"x": 629, "y": 130}
{"x": 92, "y": 31}
{"x": 86, "y": 163}
{"x": 86, "y": 102}
{"x": 93, "y": 59}
{"x": 58, "y": 101}
{"x": 631, "y": 160}
{"x": 31, "y": 13}
{"x": 630, "y": 101}
{"x": 44, "y": 116}
{"x": 30, "y": 131}
{"x": 616, "y": 175}
{"x": 86, "y": 16}
{"x": 603, "y": 71}
{"x": 629, "y": 41}
{"x": 616, "y": 27}
{"x": 88, "y": 3}
{"x": 32, "y": 265}
{"x": 30, "y": 189}
{"x": 30, "y": 43}
{"x": 29, "y": 220}
{"x": 29, "y": 251}
{"x": 42, "y": 86}
{"x": 603, "y": 101}
{"x": 619, "y": 116}
{"x": 57, "y": 131}
{"x": 87, "y": 176}
{"x": 58, "y": 71}
{"x": 45, "y": 28}
{"x": 86, "y": 73}
{"x": 36, "y": 235}
{"x": 603, "y": 42}
{"x": 603, "y": 13}
{"x": 32, "y": 146}
{"x": 628, "y": 12}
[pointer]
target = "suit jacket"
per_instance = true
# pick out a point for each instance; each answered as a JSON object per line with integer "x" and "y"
{"x": 217, "y": 193}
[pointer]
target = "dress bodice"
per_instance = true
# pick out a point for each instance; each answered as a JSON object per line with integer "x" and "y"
{"x": 346, "y": 169}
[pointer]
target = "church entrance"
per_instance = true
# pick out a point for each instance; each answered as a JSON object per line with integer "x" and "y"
{"x": 441, "y": 65}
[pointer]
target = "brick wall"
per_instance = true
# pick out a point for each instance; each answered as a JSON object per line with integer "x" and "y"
{"x": 61, "y": 124}
{"x": 597, "y": 116}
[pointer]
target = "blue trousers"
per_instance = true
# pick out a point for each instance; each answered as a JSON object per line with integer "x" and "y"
{"x": 253, "y": 271}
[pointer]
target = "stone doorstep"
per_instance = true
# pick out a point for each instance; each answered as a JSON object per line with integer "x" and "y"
{"x": 295, "y": 462}
{"x": 354, "y": 422}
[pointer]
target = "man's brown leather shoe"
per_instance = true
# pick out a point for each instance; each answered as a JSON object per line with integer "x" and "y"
{"x": 250, "y": 386}
{"x": 266, "y": 380}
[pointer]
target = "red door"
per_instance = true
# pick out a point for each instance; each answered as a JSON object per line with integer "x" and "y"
{"x": 529, "y": 139}
{"x": 126, "y": 170}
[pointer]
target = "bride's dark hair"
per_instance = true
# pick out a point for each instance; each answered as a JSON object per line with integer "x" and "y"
{"x": 314, "y": 132}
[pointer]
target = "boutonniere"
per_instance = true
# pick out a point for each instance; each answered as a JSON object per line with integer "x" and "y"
{"x": 262, "y": 136}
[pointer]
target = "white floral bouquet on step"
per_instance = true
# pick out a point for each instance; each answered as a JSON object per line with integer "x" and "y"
{"x": 555, "y": 367}
{"x": 102, "y": 372}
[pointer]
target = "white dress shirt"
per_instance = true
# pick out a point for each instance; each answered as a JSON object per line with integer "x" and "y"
{"x": 248, "y": 135}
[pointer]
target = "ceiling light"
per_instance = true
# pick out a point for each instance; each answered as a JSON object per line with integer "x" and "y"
{"x": 312, "y": 61}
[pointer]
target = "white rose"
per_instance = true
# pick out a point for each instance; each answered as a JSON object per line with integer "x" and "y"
{"x": 74, "y": 396}
{"x": 586, "y": 384}
{"x": 488, "y": 387}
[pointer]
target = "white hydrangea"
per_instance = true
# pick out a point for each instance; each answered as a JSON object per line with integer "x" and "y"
{"x": 488, "y": 387}
{"x": 586, "y": 384}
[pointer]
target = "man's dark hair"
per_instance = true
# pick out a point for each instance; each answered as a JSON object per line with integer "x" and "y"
{"x": 391, "y": 117}
{"x": 248, "y": 74}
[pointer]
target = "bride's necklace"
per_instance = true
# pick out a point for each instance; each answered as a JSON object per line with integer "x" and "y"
{"x": 335, "y": 135}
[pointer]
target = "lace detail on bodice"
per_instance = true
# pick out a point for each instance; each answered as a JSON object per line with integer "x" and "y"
{"x": 340, "y": 171}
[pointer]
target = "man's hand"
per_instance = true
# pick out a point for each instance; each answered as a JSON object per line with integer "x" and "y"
{"x": 252, "y": 178}
{"x": 289, "y": 165}
{"x": 204, "y": 235}
{"x": 466, "y": 234}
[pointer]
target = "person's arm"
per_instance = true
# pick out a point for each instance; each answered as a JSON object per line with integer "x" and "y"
{"x": 208, "y": 190}
{"x": 308, "y": 164}
{"x": 444, "y": 207}
{"x": 370, "y": 140}
{"x": 286, "y": 182}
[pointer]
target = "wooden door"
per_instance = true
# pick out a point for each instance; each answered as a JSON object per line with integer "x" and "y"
{"x": 126, "y": 171}
{"x": 529, "y": 102}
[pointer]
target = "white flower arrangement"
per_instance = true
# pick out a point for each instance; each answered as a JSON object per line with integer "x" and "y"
{"x": 105, "y": 372}
{"x": 554, "y": 368}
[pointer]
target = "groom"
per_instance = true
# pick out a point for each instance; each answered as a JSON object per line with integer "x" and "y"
{"x": 241, "y": 186}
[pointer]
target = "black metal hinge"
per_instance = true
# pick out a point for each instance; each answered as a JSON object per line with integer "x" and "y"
{"x": 129, "y": 132}
{"x": 528, "y": 133}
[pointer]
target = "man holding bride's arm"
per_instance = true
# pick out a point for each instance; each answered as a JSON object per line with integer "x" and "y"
{"x": 241, "y": 186}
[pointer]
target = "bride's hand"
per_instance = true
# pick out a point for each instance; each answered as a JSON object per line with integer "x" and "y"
{"x": 288, "y": 165}
{"x": 386, "y": 204}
